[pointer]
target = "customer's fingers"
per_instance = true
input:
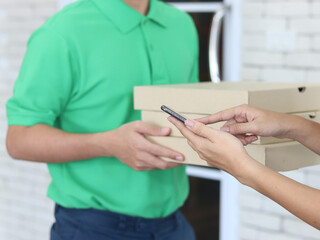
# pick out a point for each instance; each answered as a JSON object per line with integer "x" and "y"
{"x": 241, "y": 128}
{"x": 187, "y": 133}
{"x": 224, "y": 115}
{"x": 246, "y": 139}
{"x": 251, "y": 139}
{"x": 200, "y": 129}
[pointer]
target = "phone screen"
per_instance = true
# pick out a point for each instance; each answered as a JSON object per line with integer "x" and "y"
{"x": 173, "y": 113}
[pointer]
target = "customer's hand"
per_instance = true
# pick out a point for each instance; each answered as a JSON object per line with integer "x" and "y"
{"x": 218, "y": 148}
{"x": 132, "y": 148}
{"x": 244, "y": 120}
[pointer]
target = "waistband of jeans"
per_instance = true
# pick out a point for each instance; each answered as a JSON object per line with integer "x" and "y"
{"x": 101, "y": 219}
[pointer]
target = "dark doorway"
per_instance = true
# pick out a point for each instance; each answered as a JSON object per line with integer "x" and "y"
{"x": 202, "y": 208}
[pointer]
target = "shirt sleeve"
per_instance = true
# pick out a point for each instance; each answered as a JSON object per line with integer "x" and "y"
{"x": 44, "y": 84}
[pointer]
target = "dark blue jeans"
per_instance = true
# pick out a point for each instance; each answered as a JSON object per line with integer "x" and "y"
{"x": 92, "y": 224}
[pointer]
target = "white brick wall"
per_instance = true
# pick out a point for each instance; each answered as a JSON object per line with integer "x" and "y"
{"x": 298, "y": 228}
{"x": 283, "y": 9}
{"x": 25, "y": 211}
{"x": 281, "y": 42}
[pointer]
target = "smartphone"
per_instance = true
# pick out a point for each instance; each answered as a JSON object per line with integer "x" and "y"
{"x": 173, "y": 113}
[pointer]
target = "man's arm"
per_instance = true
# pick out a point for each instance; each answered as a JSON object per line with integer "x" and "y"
{"x": 43, "y": 143}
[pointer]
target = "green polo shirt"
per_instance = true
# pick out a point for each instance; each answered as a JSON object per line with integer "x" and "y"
{"x": 78, "y": 75}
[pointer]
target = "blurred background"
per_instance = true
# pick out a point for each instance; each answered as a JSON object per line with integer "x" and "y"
{"x": 259, "y": 40}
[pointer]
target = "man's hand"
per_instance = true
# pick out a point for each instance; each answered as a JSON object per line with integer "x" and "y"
{"x": 132, "y": 148}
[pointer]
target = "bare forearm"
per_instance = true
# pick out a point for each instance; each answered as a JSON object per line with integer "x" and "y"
{"x": 300, "y": 200}
{"x": 42, "y": 143}
{"x": 306, "y": 132}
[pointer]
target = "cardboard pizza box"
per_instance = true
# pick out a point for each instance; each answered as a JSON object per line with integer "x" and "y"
{"x": 207, "y": 98}
{"x": 160, "y": 119}
{"x": 279, "y": 156}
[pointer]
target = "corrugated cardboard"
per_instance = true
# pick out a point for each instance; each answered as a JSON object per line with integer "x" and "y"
{"x": 160, "y": 119}
{"x": 207, "y": 98}
{"x": 279, "y": 156}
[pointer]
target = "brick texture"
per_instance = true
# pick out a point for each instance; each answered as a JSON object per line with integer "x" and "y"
{"x": 299, "y": 22}
{"x": 25, "y": 211}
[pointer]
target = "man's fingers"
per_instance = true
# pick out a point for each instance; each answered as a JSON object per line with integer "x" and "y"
{"x": 172, "y": 165}
{"x": 160, "y": 151}
{"x": 157, "y": 163}
{"x": 143, "y": 163}
{"x": 148, "y": 157}
{"x": 145, "y": 128}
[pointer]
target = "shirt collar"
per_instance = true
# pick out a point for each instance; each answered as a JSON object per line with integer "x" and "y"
{"x": 126, "y": 18}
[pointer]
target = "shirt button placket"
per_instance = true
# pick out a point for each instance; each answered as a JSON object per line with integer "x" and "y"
{"x": 148, "y": 45}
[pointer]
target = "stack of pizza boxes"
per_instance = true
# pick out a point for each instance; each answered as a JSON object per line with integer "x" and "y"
{"x": 202, "y": 99}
